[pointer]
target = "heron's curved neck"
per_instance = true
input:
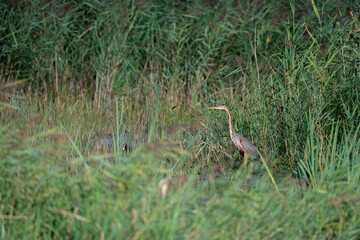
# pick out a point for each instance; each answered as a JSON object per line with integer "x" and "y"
{"x": 231, "y": 127}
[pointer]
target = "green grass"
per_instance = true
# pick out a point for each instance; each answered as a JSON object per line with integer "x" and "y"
{"x": 146, "y": 72}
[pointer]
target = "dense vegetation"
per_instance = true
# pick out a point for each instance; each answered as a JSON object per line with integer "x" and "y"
{"x": 143, "y": 73}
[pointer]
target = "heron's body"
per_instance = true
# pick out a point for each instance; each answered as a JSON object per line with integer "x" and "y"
{"x": 245, "y": 147}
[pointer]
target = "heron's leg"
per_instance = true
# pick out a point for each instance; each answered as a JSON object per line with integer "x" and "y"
{"x": 246, "y": 157}
{"x": 251, "y": 164}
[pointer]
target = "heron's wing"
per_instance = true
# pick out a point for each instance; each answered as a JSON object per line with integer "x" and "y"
{"x": 248, "y": 147}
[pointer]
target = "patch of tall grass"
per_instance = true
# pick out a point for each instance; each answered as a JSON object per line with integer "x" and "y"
{"x": 327, "y": 159}
{"x": 51, "y": 195}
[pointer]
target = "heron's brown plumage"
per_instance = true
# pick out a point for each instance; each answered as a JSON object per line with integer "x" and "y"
{"x": 244, "y": 146}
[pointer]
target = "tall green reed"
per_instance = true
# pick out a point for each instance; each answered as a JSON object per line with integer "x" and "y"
{"x": 330, "y": 158}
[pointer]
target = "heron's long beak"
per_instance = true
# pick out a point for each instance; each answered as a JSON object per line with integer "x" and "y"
{"x": 217, "y": 107}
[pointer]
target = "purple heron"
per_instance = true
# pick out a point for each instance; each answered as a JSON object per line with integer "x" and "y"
{"x": 245, "y": 147}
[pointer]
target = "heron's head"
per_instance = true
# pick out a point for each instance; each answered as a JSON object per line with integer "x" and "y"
{"x": 219, "y": 107}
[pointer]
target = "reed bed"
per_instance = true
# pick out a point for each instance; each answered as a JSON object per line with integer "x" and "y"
{"x": 140, "y": 75}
